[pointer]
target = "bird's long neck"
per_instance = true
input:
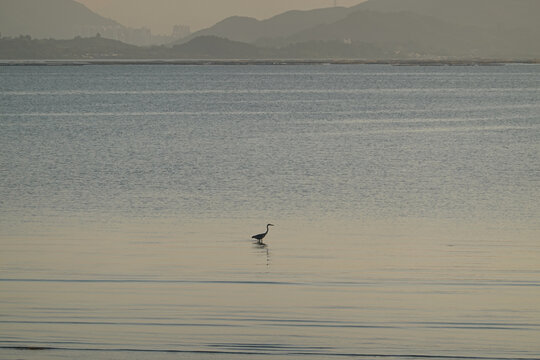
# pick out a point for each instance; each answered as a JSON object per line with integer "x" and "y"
{"x": 267, "y": 229}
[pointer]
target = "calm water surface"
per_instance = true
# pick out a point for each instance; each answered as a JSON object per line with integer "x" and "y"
{"x": 406, "y": 202}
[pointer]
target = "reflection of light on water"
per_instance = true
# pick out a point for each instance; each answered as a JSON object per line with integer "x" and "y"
{"x": 328, "y": 282}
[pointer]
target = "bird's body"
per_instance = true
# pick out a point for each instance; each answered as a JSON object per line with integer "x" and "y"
{"x": 259, "y": 237}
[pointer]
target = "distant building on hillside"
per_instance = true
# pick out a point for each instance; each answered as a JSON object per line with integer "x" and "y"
{"x": 180, "y": 31}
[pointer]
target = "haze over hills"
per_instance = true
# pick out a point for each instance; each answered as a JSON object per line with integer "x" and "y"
{"x": 375, "y": 29}
{"x": 481, "y": 14}
{"x": 473, "y": 28}
{"x": 64, "y": 19}
{"x": 162, "y": 15}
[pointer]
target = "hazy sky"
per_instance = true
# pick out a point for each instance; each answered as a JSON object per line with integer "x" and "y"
{"x": 162, "y": 15}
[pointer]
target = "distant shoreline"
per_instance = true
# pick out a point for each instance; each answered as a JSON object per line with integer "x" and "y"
{"x": 427, "y": 62}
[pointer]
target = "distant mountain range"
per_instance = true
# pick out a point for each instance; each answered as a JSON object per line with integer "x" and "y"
{"x": 250, "y": 30}
{"x": 482, "y": 28}
{"x": 486, "y": 15}
{"x": 374, "y": 29}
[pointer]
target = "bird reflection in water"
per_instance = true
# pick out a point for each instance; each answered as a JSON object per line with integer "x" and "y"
{"x": 259, "y": 244}
{"x": 262, "y": 249}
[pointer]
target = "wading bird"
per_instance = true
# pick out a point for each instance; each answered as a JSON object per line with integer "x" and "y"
{"x": 259, "y": 237}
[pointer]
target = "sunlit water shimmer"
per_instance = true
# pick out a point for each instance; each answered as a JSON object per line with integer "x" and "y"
{"x": 406, "y": 202}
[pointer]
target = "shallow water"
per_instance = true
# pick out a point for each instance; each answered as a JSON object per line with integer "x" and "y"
{"x": 406, "y": 202}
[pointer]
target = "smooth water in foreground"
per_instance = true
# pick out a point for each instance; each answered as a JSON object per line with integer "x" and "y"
{"x": 406, "y": 202}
